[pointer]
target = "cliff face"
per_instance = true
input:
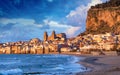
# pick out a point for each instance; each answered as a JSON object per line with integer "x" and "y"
{"x": 104, "y": 18}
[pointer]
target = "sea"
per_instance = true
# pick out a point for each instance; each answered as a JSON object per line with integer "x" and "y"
{"x": 28, "y": 64}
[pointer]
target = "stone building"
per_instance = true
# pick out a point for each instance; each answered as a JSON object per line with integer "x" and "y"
{"x": 34, "y": 41}
{"x": 54, "y": 36}
{"x": 61, "y": 36}
{"x": 45, "y": 36}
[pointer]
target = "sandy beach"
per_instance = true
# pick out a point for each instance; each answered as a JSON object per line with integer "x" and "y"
{"x": 100, "y": 65}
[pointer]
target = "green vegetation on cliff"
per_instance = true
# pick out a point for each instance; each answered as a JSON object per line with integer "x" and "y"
{"x": 111, "y": 3}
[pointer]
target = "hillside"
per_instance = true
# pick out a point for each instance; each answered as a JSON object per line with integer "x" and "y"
{"x": 104, "y": 18}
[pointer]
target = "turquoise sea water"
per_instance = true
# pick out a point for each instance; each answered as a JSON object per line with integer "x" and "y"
{"x": 39, "y": 65}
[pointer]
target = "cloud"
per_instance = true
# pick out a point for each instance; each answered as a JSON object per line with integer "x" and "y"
{"x": 93, "y": 3}
{"x": 68, "y": 29}
{"x": 82, "y": 9}
{"x": 21, "y": 21}
{"x": 20, "y": 26}
{"x": 78, "y": 16}
{"x": 78, "y": 11}
{"x": 5, "y": 33}
{"x": 19, "y": 29}
{"x": 71, "y": 31}
{"x": 52, "y": 23}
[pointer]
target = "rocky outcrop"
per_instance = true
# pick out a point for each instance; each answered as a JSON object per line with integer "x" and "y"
{"x": 104, "y": 18}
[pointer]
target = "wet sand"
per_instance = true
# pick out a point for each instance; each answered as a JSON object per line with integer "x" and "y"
{"x": 100, "y": 65}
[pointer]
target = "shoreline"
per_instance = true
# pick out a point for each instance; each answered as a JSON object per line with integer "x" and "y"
{"x": 99, "y": 65}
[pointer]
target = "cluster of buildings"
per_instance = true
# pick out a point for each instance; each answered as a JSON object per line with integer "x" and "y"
{"x": 100, "y": 43}
{"x": 59, "y": 43}
{"x": 50, "y": 44}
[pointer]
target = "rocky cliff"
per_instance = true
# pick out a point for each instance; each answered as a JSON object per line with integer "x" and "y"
{"x": 104, "y": 18}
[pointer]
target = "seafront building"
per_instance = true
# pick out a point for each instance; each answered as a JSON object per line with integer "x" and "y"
{"x": 99, "y": 44}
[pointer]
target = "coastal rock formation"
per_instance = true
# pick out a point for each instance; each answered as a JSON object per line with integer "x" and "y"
{"x": 104, "y": 18}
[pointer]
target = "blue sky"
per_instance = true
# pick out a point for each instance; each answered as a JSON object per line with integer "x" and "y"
{"x": 27, "y": 19}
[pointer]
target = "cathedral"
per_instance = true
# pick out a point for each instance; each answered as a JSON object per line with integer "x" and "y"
{"x": 54, "y": 36}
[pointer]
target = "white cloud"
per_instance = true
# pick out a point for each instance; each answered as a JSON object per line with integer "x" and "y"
{"x": 78, "y": 11}
{"x": 4, "y": 34}
{"x": 93, "y": 3}
{"x": 82, "y": 10}
{"x": 55, "y": 24}
{"x": 46, "y": 21}
{"x": 19, "y": 21}
{"x": 1, "y": 36}
{"x": 68, "y": 29}
{"x": 71, "y": 31}
{"x": 21, "y": 29}
{"x": 78, "y": 16}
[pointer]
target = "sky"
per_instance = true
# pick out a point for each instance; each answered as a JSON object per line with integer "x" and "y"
{"x": 27, "y": 19}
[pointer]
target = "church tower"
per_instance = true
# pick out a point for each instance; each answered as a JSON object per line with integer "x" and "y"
{"x": 53, "y": 36}
{"x": 45, "y": 36}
